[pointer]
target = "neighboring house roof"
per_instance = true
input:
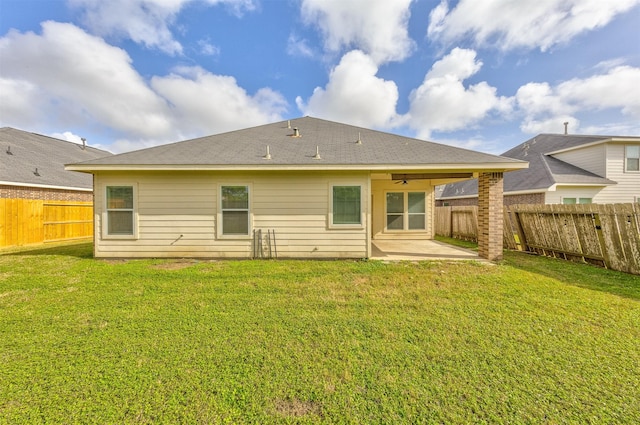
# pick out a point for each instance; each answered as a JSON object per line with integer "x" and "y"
{"x": 339, "y": 146}
{"x": 23, "y": 152}
{"x": 544, "y": 170}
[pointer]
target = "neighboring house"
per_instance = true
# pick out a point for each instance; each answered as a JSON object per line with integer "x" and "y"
{"x": 565, "y": 169}
{"x": 40, "y": 201}
{"x": 32, "y": 167}
{"x": 323, "y": 189}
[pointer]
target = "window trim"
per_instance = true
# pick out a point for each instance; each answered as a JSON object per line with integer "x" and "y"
{"x": 626, "y": 157}
{"x": 405, "y": 213}
{"x": 105, "y": 213}
{"x": 219, "y": 227}
{"x": 331, "y": 224}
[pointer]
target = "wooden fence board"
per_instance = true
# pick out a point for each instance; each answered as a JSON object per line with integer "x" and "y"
{"x": 608, "y": 235}
{"x": 27, "y": 221}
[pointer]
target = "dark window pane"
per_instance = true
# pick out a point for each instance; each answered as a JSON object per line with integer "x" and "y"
{"x": 235, "y": 197}
{"x": 416, "y": 221}
{"x": 395, "y": 222}
{"x": 395, "y": 202}
{"x": 416, "y": 202}
{"x": 120, "y": 222}
{"x": 119, "y": 197}
{"x": 346, "y": 205}
{"x": 235, "y": 222}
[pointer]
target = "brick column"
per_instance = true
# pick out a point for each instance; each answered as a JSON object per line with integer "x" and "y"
{"x": 490, "y": 215}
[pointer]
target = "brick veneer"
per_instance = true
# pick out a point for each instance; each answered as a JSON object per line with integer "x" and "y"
{"x": 19, "y": 192}
{"x": 490, "y": 215}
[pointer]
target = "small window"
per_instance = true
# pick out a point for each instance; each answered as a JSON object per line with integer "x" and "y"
{"x": 346, "y": 205}
{"x": 234, "y": 206}
{"x": 573, "y": 201}
{"x": 632, "y": 158}
{"x": 120, "y": 212}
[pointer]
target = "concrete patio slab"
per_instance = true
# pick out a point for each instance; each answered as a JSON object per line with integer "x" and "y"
{"x": 419, "y": 250}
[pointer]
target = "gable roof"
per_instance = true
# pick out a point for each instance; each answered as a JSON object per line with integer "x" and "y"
{"x": 544, "y": 170}
{"x": 336, "y": 143}
{"x": 23, "y": 152}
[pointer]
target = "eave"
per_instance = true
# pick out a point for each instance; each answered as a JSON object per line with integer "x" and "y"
{"x": 484, "y": 167}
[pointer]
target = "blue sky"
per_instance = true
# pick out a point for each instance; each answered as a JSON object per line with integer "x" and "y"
{"x": 485, "y": 75}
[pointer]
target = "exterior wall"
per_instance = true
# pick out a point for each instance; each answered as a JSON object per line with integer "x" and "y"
{"x": 19, "y": 192}
{"x": 591, "y": 158}
{"x": 177, "y": 214}
{"x": 528, "y": 198}
{"x": 627, "y": 188}
{"x": 378, "y": 219}
{"x": 555, "y": 197}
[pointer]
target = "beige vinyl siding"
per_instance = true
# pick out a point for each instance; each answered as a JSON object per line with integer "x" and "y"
{"x": 628, "y": 184}
{"x": 555, "y": 197}
{"x": 591, "y": 158}
{"x": 380, "y": 187}
{"x": 177, "y": 213}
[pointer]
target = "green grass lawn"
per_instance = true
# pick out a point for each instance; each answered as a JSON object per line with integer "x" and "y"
{"x": 531, "y": 340}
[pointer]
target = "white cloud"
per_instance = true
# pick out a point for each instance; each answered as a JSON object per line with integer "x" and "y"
{"x": 146, "y": 22}
{"x": 377, "y": 27}
{"x": 443, "y": 103}
{"x": 354, "y": 94}
{"x": 66, "y": 78}
{"x": 509, "y": 24}
{"x": 78, "y": 78}
{"x": 208, "y": 49}
{"x": 68, "y": 136}
{"x": 203, "y": 102}
{"x": 299, "y": 47}
{"x": 545, "y": 107}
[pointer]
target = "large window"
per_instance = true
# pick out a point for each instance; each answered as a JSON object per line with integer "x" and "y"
{"x": 120, "y": 211}
{"x": 632, "y": 158}
{"x": 234, "y": 206}
{"x": 346, "y": 205}
{"x": 406, "y": 211}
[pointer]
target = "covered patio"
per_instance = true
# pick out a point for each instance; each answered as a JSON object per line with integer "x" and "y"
{"x": 419, "y": 250}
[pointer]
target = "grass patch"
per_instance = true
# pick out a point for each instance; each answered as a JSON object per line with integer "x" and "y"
{"x": 531, "y": 340}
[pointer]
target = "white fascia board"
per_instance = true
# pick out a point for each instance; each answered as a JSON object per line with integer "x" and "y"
{"x": 481, "y": 167}
{"x": 46, "y": 186}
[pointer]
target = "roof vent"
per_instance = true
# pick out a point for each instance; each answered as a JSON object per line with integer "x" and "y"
{"x": 84, "y": 143}
{"x": 268, "y": 155}
{"x": 317, "y": 155}
{"x": 359, "y": 141}
{"x": 36, "y": 173}
{"x": 566, "y": 124}
{"x": 9, "y": 150}
{"x": 296, "y": 132}
{"x": 288, "y": 123}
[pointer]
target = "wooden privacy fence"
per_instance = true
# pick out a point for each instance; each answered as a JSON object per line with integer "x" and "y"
{"x": 32, "y": 221}
{"x": 608, "y": 235}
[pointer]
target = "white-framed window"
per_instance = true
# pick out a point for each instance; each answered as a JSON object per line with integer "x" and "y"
{"x": 346, "y": 206}
{"x": 405, "y": 211}
{"x": 632, "y": 158}
{"x": 234, "y": 218}
{"x": 119, "y": 221}
{"x": 573, "y": 201}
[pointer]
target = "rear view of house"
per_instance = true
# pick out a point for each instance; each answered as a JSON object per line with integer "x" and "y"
{"x": 316, "y": 188}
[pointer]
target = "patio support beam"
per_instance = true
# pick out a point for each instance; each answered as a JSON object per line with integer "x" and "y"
{"x": 490, "y": 215}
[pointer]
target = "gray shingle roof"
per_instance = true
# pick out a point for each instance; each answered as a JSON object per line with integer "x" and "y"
{"x": 22, "y": 152}
{"x": 336, "y": 144}
{"x": 544, "y": 170}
